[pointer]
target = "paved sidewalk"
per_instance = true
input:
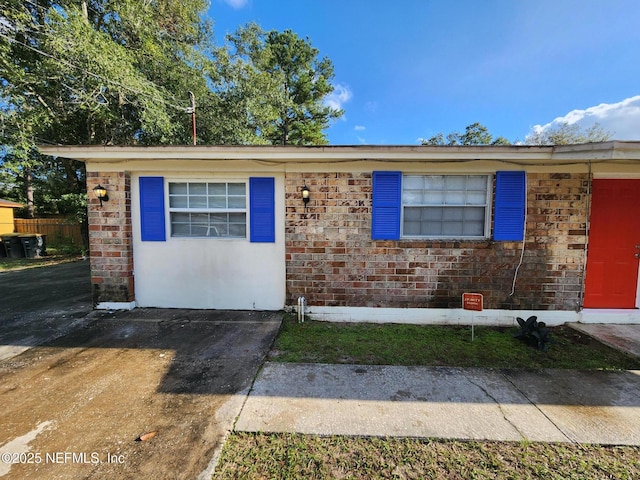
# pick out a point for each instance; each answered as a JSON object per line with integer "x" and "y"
{"x": 463, "y": 403}
{"x": 623, "y": 337}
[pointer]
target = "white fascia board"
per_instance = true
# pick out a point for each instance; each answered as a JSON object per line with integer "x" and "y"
{"x": 297, "y": 154}
{"x": 272, "y": 158}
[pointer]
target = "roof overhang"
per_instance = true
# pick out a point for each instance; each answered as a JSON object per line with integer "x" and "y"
{"x": 291, "y": 153}
{"x": 602, "y": 150}
{"x": 10, "y": 204}
{"x": 525, "y": 155}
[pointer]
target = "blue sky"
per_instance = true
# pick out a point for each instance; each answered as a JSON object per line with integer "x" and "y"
{"x": 409, "y": 69}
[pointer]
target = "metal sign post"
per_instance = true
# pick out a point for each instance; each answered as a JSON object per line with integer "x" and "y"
{"x": 473, "y": 302}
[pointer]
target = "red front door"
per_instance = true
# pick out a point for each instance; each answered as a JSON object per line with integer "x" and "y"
{"x": 614, "y": 238}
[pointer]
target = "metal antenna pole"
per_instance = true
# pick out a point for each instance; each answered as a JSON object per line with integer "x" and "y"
{"x": 193, "y": 116}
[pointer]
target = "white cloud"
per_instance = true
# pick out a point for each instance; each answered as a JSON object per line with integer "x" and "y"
{"x": 371, "y": 106}
{"x": 237, "y": 4}
{"x": 359, "y": 128}
{"x": 341, "y": 94}
{"x": 621, "y": 119}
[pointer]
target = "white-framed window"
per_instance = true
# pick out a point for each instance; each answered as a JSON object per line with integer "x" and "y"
{"x": 208, "y": 209}
{"x": 446, "y": 206}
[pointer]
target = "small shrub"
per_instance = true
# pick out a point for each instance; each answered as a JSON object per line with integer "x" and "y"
{"x": 535, "y": 333}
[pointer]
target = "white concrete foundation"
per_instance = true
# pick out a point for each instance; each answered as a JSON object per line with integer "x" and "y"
{"x": 437, "y": 316}
{"x": 597, "y": 315}
{"x": 115, "y": 306}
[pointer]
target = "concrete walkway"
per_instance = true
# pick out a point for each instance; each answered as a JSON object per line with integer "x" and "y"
{"x": 479, "y": 404}
{"x": 601, "y": 407}
{"x": 623, "y": 337}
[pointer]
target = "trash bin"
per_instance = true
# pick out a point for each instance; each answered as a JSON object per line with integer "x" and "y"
{"x": 3, "y": 252}
{"x": 33, "y": 244}
{"x": 13, "y": 245}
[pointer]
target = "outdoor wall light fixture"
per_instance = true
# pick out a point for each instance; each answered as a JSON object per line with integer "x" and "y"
{"x": 101, "y": 193}
{"x": 305, "y": 195}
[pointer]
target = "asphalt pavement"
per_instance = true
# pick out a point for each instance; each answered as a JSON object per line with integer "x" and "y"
{"x": 55, "y": 290}
{"x": 41, "y": 304}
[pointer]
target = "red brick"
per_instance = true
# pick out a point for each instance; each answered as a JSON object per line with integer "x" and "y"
{"x": 390, "y": 273}
{"x": 110, "y": 232}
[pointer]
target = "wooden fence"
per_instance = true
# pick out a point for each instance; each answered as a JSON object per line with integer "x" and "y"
{"x": 57, "y": 230}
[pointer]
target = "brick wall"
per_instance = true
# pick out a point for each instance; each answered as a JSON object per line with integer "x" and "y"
{"x": 110, "y": 241}
{"x": 332, "y": 261}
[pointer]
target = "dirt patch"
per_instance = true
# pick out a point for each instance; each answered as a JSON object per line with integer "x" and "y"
{"x": 577, "y": 338}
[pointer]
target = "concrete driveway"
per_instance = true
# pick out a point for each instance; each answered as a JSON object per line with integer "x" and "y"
{"x": 75, "y": 406}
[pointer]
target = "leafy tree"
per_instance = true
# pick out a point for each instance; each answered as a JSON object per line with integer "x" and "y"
{"x": 565, "y": 134}
{"x": 474, "y": 134}
{"x": 92, "y": 72}
{"x": 120, "y": 72}
{"x": 292, "y": 82}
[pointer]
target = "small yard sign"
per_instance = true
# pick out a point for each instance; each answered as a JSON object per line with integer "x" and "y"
{"x": 473, "y": 302}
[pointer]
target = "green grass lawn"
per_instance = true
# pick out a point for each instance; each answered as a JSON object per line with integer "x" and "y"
{"x": 52, "y": 258}
{"x": 433, "y": 345}
{"x": 294, "y": 456}
{"x": 310, "y": 457}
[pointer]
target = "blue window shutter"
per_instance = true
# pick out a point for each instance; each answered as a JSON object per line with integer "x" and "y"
{"x": 262, "y": 223}
{"x": 387, "y": 205}
{"x": 152, "y": 209}
{"x": 511, "y": 191}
